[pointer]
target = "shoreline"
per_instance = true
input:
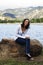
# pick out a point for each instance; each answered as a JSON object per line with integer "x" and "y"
{"x": 20, "y": 23}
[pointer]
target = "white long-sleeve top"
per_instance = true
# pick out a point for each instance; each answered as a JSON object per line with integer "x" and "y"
{"x": 21, "y": 34}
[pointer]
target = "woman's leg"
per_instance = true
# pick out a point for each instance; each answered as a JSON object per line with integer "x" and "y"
{"x": 25, "y": 42}
{"x": 27, "y": 46}
{"x": 20, "y": 41}
{"x": 29, "y": 57}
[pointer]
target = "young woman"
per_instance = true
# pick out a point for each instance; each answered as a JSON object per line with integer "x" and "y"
{"x": 23, "y": 38}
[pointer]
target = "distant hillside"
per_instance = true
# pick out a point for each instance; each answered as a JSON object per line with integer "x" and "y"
{"x": 29, "y": 12}
{"x": 9, "y": 15}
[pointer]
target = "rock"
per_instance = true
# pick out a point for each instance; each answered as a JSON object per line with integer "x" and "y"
{"x": 9, "y": 48}
{"x": 35, "y": 47}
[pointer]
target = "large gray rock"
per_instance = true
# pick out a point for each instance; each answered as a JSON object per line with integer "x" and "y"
{"x": 9, "y": 48}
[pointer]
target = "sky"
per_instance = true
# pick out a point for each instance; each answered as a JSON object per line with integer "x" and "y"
{"x": 5, "y": 4}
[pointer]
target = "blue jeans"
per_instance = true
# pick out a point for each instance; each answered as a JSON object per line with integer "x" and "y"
{"x": 25, "y": 42}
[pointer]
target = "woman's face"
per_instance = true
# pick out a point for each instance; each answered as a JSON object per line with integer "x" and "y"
{"x": 26, "y": 22}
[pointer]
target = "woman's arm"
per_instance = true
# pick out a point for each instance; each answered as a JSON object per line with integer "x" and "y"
{"x": 27, "y": 35}
{"x": 18, "y": 35}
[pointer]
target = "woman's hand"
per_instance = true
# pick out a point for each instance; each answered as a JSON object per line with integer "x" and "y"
{"x": 27, "y": 37}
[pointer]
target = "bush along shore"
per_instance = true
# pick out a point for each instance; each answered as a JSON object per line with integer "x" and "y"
{"x": 37, "y": 20}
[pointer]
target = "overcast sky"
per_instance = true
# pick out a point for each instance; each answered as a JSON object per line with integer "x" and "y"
{"x": 5, "y": 4}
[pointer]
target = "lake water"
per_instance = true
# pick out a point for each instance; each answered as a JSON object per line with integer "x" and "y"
{"x": 9, "y": 30}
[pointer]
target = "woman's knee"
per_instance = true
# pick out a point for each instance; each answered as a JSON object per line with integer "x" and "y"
{"x": 20, "y": 40}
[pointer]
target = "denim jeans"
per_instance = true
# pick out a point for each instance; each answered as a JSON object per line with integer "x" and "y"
{"x": 25, "y": 42}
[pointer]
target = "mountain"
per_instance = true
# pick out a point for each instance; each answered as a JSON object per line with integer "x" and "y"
{"x": 29, "y": 12}
{"x": 9, "y": 15}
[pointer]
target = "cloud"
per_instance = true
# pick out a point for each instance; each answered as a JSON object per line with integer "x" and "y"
{"x": 19, "y": 3}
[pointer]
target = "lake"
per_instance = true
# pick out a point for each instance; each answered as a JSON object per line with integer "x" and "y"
{"x": 9, "y": 30}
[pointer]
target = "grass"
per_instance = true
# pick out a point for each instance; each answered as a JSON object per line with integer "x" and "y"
{"x": 12, "y": 61}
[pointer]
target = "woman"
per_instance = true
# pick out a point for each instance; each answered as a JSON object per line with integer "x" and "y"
{"x": 23, "y": 38}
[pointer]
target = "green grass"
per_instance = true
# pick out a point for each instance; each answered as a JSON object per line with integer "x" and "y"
{"x": 13, "y": 62}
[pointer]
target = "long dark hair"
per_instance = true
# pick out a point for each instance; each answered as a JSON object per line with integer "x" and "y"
{"x": 22, "y": 25}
